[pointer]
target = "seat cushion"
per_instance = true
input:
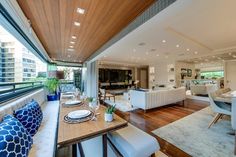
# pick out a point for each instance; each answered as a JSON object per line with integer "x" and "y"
{"x": 45, "y": 139}
{"x": 15, "y": 140}
{"x": 133, "y": 142}
{"x": 30, "y": 116}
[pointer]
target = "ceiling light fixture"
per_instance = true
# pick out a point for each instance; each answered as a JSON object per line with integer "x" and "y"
{"x": 71, "y": 46}
{"x": 80, "y": 10}
{"x": 196, "y": 52}
{"x": 163, "y": 41}
{"x": 188, "y": 49}
{"x": 76, "y": 23}
{"x": 72, "y": 42}
{"x": 177, "y": 45}
{"x": 73, "y": 37}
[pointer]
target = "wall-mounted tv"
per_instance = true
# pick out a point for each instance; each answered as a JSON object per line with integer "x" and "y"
{"x": 114, "y": 75}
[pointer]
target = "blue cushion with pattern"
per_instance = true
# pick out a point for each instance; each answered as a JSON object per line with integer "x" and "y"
{"x": 15, "y": 140}
{"x": 30, "y": 116}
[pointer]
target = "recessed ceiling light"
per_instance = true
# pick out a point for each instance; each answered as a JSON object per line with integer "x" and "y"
{"x": 73, "y": 37}
{"x": 196, "y": 52}
{"x": 72, "y": 42}
{"x": 188, "y": 49}
{"x": 177, "y": 45}
{"x": 80, "y": 10}
{"x": 163, "y": 41}
{"x": 157, "y": 55}
{"x": 71, "y": 46}
{"x": 76, "y": 23}
{"x": 70, "y": 49}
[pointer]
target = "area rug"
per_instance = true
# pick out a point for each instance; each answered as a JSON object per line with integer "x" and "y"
{"x": 191, "y": 134}
{"x": 121, "y": 104}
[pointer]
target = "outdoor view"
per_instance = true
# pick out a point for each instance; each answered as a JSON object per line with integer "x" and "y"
{"x": 17, "y": 63}
{"x": 212, "y": 74}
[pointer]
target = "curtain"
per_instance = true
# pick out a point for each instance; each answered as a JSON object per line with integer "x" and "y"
{"x": 92, "y": 79}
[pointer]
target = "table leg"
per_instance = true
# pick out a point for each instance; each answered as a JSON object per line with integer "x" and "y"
{"x": 104, "y": 141}
{"x": 74, "y": 150}
{"x": 81, "y": 150}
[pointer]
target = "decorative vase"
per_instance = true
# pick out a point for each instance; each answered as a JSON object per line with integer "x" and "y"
{"x": 108, "y": 117}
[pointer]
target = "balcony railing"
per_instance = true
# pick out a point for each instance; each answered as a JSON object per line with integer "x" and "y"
{"x": 12, "y": 90}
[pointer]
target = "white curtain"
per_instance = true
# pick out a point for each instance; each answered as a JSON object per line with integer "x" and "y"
{"x": 92, "y": 80}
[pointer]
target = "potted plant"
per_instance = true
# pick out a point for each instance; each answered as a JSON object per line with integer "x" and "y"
{"x": 52, "y": 84}
{"x": 90, "y": 100}
{"x": 109, "y": 113}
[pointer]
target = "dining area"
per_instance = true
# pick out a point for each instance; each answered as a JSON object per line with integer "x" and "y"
{"x": 223, "y": 103}
{"x": 83, "y": 118}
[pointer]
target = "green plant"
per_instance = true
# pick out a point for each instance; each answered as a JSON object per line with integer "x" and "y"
{"x": 51, "y": 84}
{"x": 111, "y": 109}
{"x": 90, "y": 99}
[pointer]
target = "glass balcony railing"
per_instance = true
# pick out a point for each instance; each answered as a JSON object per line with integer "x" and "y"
{"x": 11, "y": 90}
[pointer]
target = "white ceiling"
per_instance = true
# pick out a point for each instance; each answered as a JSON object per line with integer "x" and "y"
{"x": 205, "y": 27}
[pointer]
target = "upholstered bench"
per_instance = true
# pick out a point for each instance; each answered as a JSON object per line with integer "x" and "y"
{"x": 133, "y": 142}
{"x": 44, "y": 141}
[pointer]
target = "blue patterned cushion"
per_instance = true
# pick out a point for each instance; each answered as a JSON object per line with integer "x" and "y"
{"x": 15, "y": 140}
{"x": 30, "y": 116}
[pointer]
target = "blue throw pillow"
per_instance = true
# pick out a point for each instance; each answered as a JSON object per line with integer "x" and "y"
{"x": 15, "y": 140}
{"x": 30, "y": 116}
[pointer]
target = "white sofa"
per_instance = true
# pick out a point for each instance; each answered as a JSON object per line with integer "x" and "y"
{"x": 202, "y": 89}
{"x": 156, "y": 98}
{"x": 45, "y": 140}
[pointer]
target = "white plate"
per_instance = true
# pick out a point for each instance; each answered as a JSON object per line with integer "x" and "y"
{"x": 78, "y": 114}
{"x": 67, "y": 96}
{"x": 72, "y": 102}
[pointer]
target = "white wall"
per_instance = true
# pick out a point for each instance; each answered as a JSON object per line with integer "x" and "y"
{"x": 160, "y": 75}
{"x": 230, "y": 74}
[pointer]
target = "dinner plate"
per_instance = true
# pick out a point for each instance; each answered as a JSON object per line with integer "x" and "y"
{"x": 79, "y": 114}
{"x": 67, "y": 96}
{"x": 73, "y": 102}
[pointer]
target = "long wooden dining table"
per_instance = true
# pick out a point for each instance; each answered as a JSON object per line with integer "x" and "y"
{"x": 74, "y": 134}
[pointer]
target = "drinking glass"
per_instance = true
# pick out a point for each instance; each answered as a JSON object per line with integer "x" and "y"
{"x": 95, "y": 106}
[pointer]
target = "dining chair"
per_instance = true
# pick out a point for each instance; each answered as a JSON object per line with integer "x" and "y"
{"x": 104, "y": 95}
{"x": 220, "y": 108}
{"x": 233, "y": 121}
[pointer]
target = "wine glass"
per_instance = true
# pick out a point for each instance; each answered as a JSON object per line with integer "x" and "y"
{"x": 95, "y": 106}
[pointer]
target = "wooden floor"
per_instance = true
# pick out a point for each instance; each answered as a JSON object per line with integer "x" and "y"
{"x": 162, "y": 116}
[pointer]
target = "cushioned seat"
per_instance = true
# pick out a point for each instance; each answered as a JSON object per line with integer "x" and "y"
{"x": 133, "y": 142}
{"x": 45, "y": 138}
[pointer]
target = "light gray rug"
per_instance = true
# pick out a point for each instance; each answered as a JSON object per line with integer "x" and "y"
{"x": 121, "y": 104}
{"x": 191, "y": 134}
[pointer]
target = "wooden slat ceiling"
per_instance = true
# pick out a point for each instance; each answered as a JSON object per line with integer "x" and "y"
{"x": 53, "y": 22}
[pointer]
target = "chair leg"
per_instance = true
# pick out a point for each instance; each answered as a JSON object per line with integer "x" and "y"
{"x": 235, "y": 144}
{"x": 215, "y": 119}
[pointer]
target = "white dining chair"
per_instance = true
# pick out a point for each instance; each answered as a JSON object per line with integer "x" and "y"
{"x": 220, "y": 108}
{"x": 233, "y": 120}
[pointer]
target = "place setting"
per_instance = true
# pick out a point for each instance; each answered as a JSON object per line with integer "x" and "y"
{"x": 84, "y": 114}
